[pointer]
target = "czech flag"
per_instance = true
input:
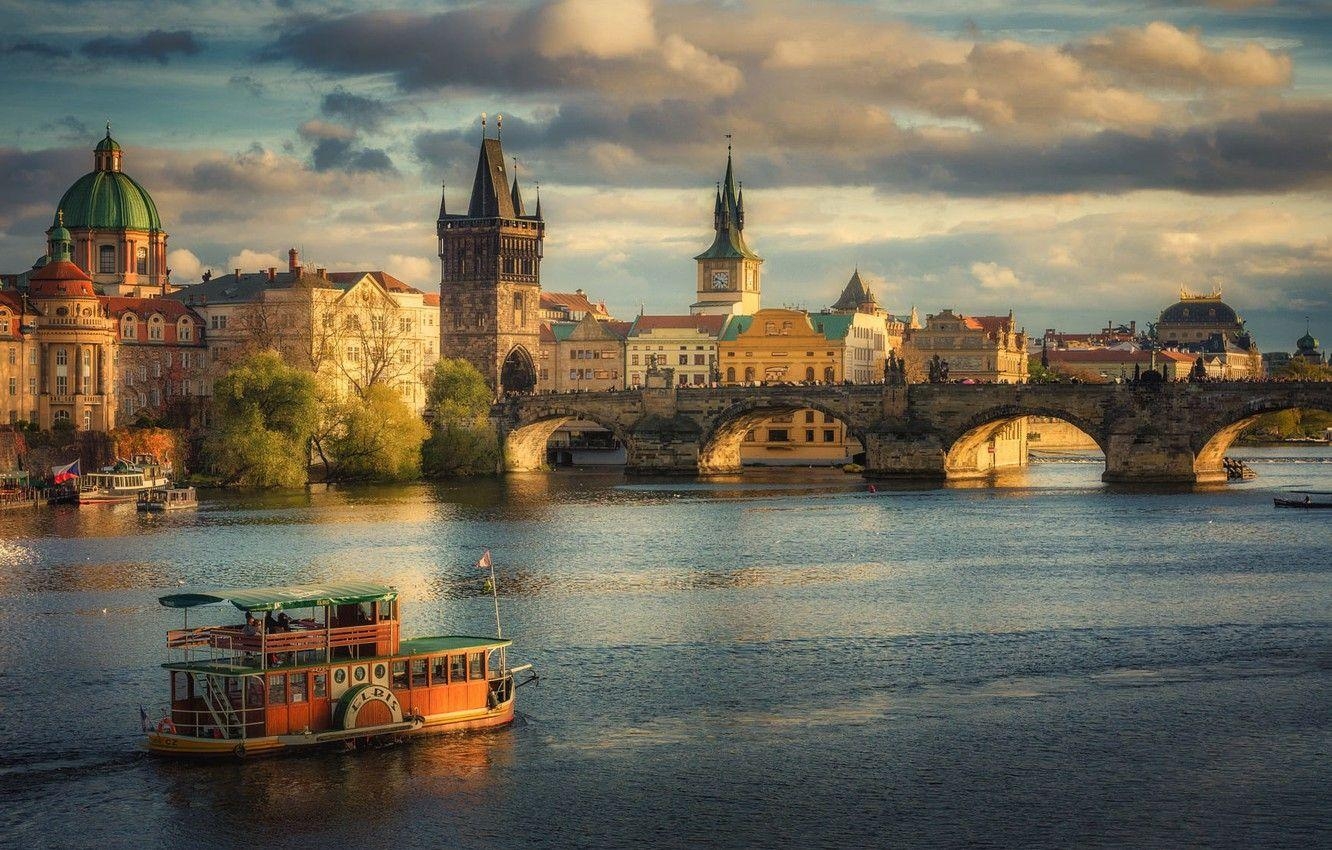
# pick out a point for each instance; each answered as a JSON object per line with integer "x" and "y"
{"x": 485, "y": 563}
{"x": 65, "y": 473}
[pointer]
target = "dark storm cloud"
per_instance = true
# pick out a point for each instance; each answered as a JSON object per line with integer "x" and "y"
{"x": 366, "y": 113}
{"x": 157, "y": 46}
{"x": 68, "y": 129}
{"x": 38, "y": 48}
{"x": 343, "y": 154}
{"x": 248, "y": 84}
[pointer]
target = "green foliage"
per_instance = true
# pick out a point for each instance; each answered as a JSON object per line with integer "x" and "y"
{"x": 462, "y": 441}
{"x": 1299, "y": 369}
{"x": 457, "y": 391}
{"x": 460, "y": 448}
{"x": 264, "y": 412}
{"x": 1289, "y": 424}
{"x": 373, "y": 437}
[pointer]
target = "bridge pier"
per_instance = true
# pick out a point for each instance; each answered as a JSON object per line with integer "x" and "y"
{"x": 663, "y": 446}
{"x": 904, "y": 454}
{"x": 1154, "y": 456}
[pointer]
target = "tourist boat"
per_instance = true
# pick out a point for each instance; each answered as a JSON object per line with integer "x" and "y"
{"x": 339, "y": 676}
{"x": 170, "y": 499}
{"x": 124, "y": 481}
{"x": 1300, "y": 502}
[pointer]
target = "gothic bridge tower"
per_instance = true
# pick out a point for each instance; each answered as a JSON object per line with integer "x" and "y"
{"x": 490, "y": 277}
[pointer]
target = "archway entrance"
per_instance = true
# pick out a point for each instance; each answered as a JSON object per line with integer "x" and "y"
{"x": 1002, "y": 442}
{"x": 777, "y": 437}
{"x": 518, "y": 374}
{"x": 562, "y": 441}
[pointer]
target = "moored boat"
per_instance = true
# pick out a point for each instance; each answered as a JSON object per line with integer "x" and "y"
{"x": 1306, "y": 502}
{"x": 169, "y": 499}
{"x": 124, "y": 480}
{"x": 338, "y": 675}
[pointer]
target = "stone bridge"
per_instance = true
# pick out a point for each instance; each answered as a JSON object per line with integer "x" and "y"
{"x": 1171, "y": 432}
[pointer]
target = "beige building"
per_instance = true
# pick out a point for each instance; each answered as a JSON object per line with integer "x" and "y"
{"x": 586, "y": 356}
{"x": 571, "y": 307}
{"x": 685, "y": 344}
{"x": 1206, "y": 326}
{"x": 352, "y": 329}
{"x": 977, "y": 348}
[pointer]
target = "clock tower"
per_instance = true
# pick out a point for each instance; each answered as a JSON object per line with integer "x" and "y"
{"x": 728, "y": 272}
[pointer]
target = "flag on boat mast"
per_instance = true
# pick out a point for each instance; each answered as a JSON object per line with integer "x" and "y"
{"x": 488, "y": 563}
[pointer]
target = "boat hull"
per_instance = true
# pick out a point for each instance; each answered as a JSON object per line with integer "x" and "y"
{"x": 172, "y": 745}
{"x": 1300, "y": 504}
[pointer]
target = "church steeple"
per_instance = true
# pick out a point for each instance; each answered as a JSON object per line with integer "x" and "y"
{"x": 728, "y": 220}
{"x": 728, "y": 271}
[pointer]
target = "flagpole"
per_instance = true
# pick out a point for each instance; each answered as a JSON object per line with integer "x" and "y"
{"x": 494, "y": 589}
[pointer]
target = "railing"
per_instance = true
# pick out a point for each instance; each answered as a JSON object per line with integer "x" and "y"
{"x": 218, "y": 643}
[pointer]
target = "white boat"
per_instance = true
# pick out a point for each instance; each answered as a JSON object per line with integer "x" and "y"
{"x": 124, "y": 481}
{"x": 170, "y": 499}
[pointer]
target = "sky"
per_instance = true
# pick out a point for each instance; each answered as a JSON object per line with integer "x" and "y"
{"x": 1075, "y": 162}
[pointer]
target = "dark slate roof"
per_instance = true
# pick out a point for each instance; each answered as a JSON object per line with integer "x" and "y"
{"x": 1199, "y": 311}
{"x": 855, "y": 294}
{"x": 490, "y": 187}
{"x": 728, "y": 219}
{"x": 231, "y": 289}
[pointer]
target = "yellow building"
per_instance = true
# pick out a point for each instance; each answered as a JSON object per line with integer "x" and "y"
{"x": 587, "y": 355}
{"x": 978, "y": 348}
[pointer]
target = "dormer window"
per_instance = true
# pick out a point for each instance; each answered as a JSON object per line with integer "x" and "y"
{"x": 155, "y": 327}
{"x": 127, "y": 328}
{"x": 185, "y": 330}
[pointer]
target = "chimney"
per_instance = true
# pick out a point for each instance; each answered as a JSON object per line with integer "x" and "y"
{"x": 272, "y": 273}
{"x": 294, "y": 261}
{"x": 322, "y": 272}
{"x": 237, "y": 273}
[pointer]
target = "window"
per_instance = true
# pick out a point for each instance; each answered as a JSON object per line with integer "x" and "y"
{"x": 633, "y": 360}
{"x": 749, "y": 374}
{"x": 698, "y": 360}
{"x": 184, "y": 360}
{"x": 320, "y": 685}
{"x": 13, "y": 355}
{"x": 519, "y": 310}
{"x": 128, "y": 330}
{"x": 399, "y": 674}
{"x": 13, "y": 386}
{"x": 809, "y": 416}
{"x": 809, "y": 435}
{"x": 478, "y": 667}
{"x": 778, "y": 435}
{"x": 419, "y": 673}
{"x": 62, "y": 357}
{"x": 829, "y": 435}
{"x": 106, "y": 259}
{"x": 185, "y": 330}
{"x": 730, "y": 374}
{"x": 219, "y": 323}
{"x": 809, "y": 373}
{"x": 457, "y": 668}
{"x": 684, "y": 359}
{"x": 155, "y": 327}
{"x": 141, "y": 261}
{"x": 297, "y": 685}
{"x": 277, "y": 689}
{"x": 62, "y": 387}
{"x": 439, "y": 670}
{"x": 829, "y": 375}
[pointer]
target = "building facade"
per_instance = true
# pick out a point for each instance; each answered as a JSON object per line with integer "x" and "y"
{"x": 490, "y": 278}
{"x": 978, "y": 348}
{"x": 685, "y": 344}
{"x": 162, "y": 365}
{"x": 1206, "y": 326}
{"x": 585, "y": 356}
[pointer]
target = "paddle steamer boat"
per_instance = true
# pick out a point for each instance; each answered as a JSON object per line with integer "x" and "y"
{"x": 123, "y": 481}
{"x": 340, "y": 675}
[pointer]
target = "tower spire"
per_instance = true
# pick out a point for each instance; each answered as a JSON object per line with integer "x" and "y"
{"x": 515, "y": 194}
{"x": 538, "y": 203}
{"x": 443, "y": 196}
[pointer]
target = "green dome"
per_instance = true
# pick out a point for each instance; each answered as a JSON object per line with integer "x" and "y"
{"x": 1306, "y": 343}
{"x": 108, "y": 144}
{"x": 109, "y": 200}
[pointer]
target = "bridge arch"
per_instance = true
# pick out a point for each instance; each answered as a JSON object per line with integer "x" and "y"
{"x": 974, "y": 449}
{"x": 1216, "y": 440}
{"x": 724, "y": 434}
{"x": 524, "y": 448}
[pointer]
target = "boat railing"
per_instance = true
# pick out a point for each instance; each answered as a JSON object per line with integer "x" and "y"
{"x": 216, "y": 643}
{"x": 208, "y": 723}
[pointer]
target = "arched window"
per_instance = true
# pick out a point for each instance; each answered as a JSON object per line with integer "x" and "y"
{"x": 185, "y": 330}
{"x": 749, "y": 374}
{"x": 809, "y": 373}
{"x": 62, "y": 357}
{"x": 62, "y": 415}
{"x": 141, "y": 261}
{"x": 128, "y": 328}
{"x": 730, "y": 374}
{"x": 155, "y": 327}
{"x": 106, "y": 259}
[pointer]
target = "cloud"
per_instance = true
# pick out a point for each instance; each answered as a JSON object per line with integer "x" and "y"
{"x": 995, "y": 276}
{"x": 39, "y": 48}
{"x": 602, "y": 29}
{"x": 69, "y": 129}
{"x": 335, "y": 147}
{"x": 248, "y": 84}
{"x": 158, "y": 46}
{"x": 250, "y": 260}
{"x": 1160, "y": 54}
{"x": 360, "y": 111}
{"x": 416, "y": 270}
{"x": 184, "y": 264}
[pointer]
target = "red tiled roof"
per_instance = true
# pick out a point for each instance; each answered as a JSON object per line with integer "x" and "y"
{"x": 144, "y": 307}
{"x": 620, "y": 329}
{"x": 58, "y": 278}
{"x": 993, "y": 324}
{"x": 707, "y": 324}
{"x": 1113, "y": 355}
{"x": 430, "y": 299}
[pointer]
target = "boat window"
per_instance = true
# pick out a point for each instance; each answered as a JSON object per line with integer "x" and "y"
{"x": 418, "y": 672}
{"x": 399, "y": 674}
{"x": 277, "y": 689}
{"x": 493, "y": 661}
{"x": 320, "y": 685}
{"x": 298, "y": 687}
{"x": 386, "y": 610}
{"x": 365, "y": 613}
{"x": 457, "y": 668}
{"x": 255, "y": 698}
{"x": 478, "y": 665}
{"x": 439, "y": 670}
{"x": 180, "y": 686}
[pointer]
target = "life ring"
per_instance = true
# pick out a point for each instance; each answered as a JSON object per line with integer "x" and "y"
{"x": 166, "y": 727}
{"x": 239, "y": 750}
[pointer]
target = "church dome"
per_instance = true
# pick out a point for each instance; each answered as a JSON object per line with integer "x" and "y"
{"x": 1307, "y": 344}
{"x": 60, "y": 279}
{"x": 106, "y": 198}
{"x": 1199, "y": 311}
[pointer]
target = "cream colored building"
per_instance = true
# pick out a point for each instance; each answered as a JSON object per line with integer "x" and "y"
{"x": 353, "y": 329}
{"x": 587, "y": 356}
{"x": 977, "y": 348}
{"x": 685, "y": 344}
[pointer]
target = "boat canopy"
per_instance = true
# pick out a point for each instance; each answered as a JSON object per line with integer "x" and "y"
{"x": 278, "y": 598}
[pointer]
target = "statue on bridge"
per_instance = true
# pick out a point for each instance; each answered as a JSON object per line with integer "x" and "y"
{"x": 894, "y": 371}
{"x": 938, "y": 370}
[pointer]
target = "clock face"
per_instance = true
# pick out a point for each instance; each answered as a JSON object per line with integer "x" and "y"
{"x": 720, "y": 280}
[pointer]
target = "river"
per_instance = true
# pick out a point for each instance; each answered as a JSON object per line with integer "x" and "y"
{"x": 783, "y": 660}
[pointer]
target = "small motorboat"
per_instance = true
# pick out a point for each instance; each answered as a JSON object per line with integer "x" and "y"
{"x": 170, "y": 499}
{"x": 1306, "y": 502}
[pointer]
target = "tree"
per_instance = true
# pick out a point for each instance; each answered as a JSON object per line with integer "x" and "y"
{"x": 462, "y": 439}
{"x": 263, "y": 414}
{"x": 374, "y": 437}
{"x": 1299, "y": 369}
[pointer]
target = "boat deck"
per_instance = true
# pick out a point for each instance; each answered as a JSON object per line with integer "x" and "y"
{"x": 253, "y": 662}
